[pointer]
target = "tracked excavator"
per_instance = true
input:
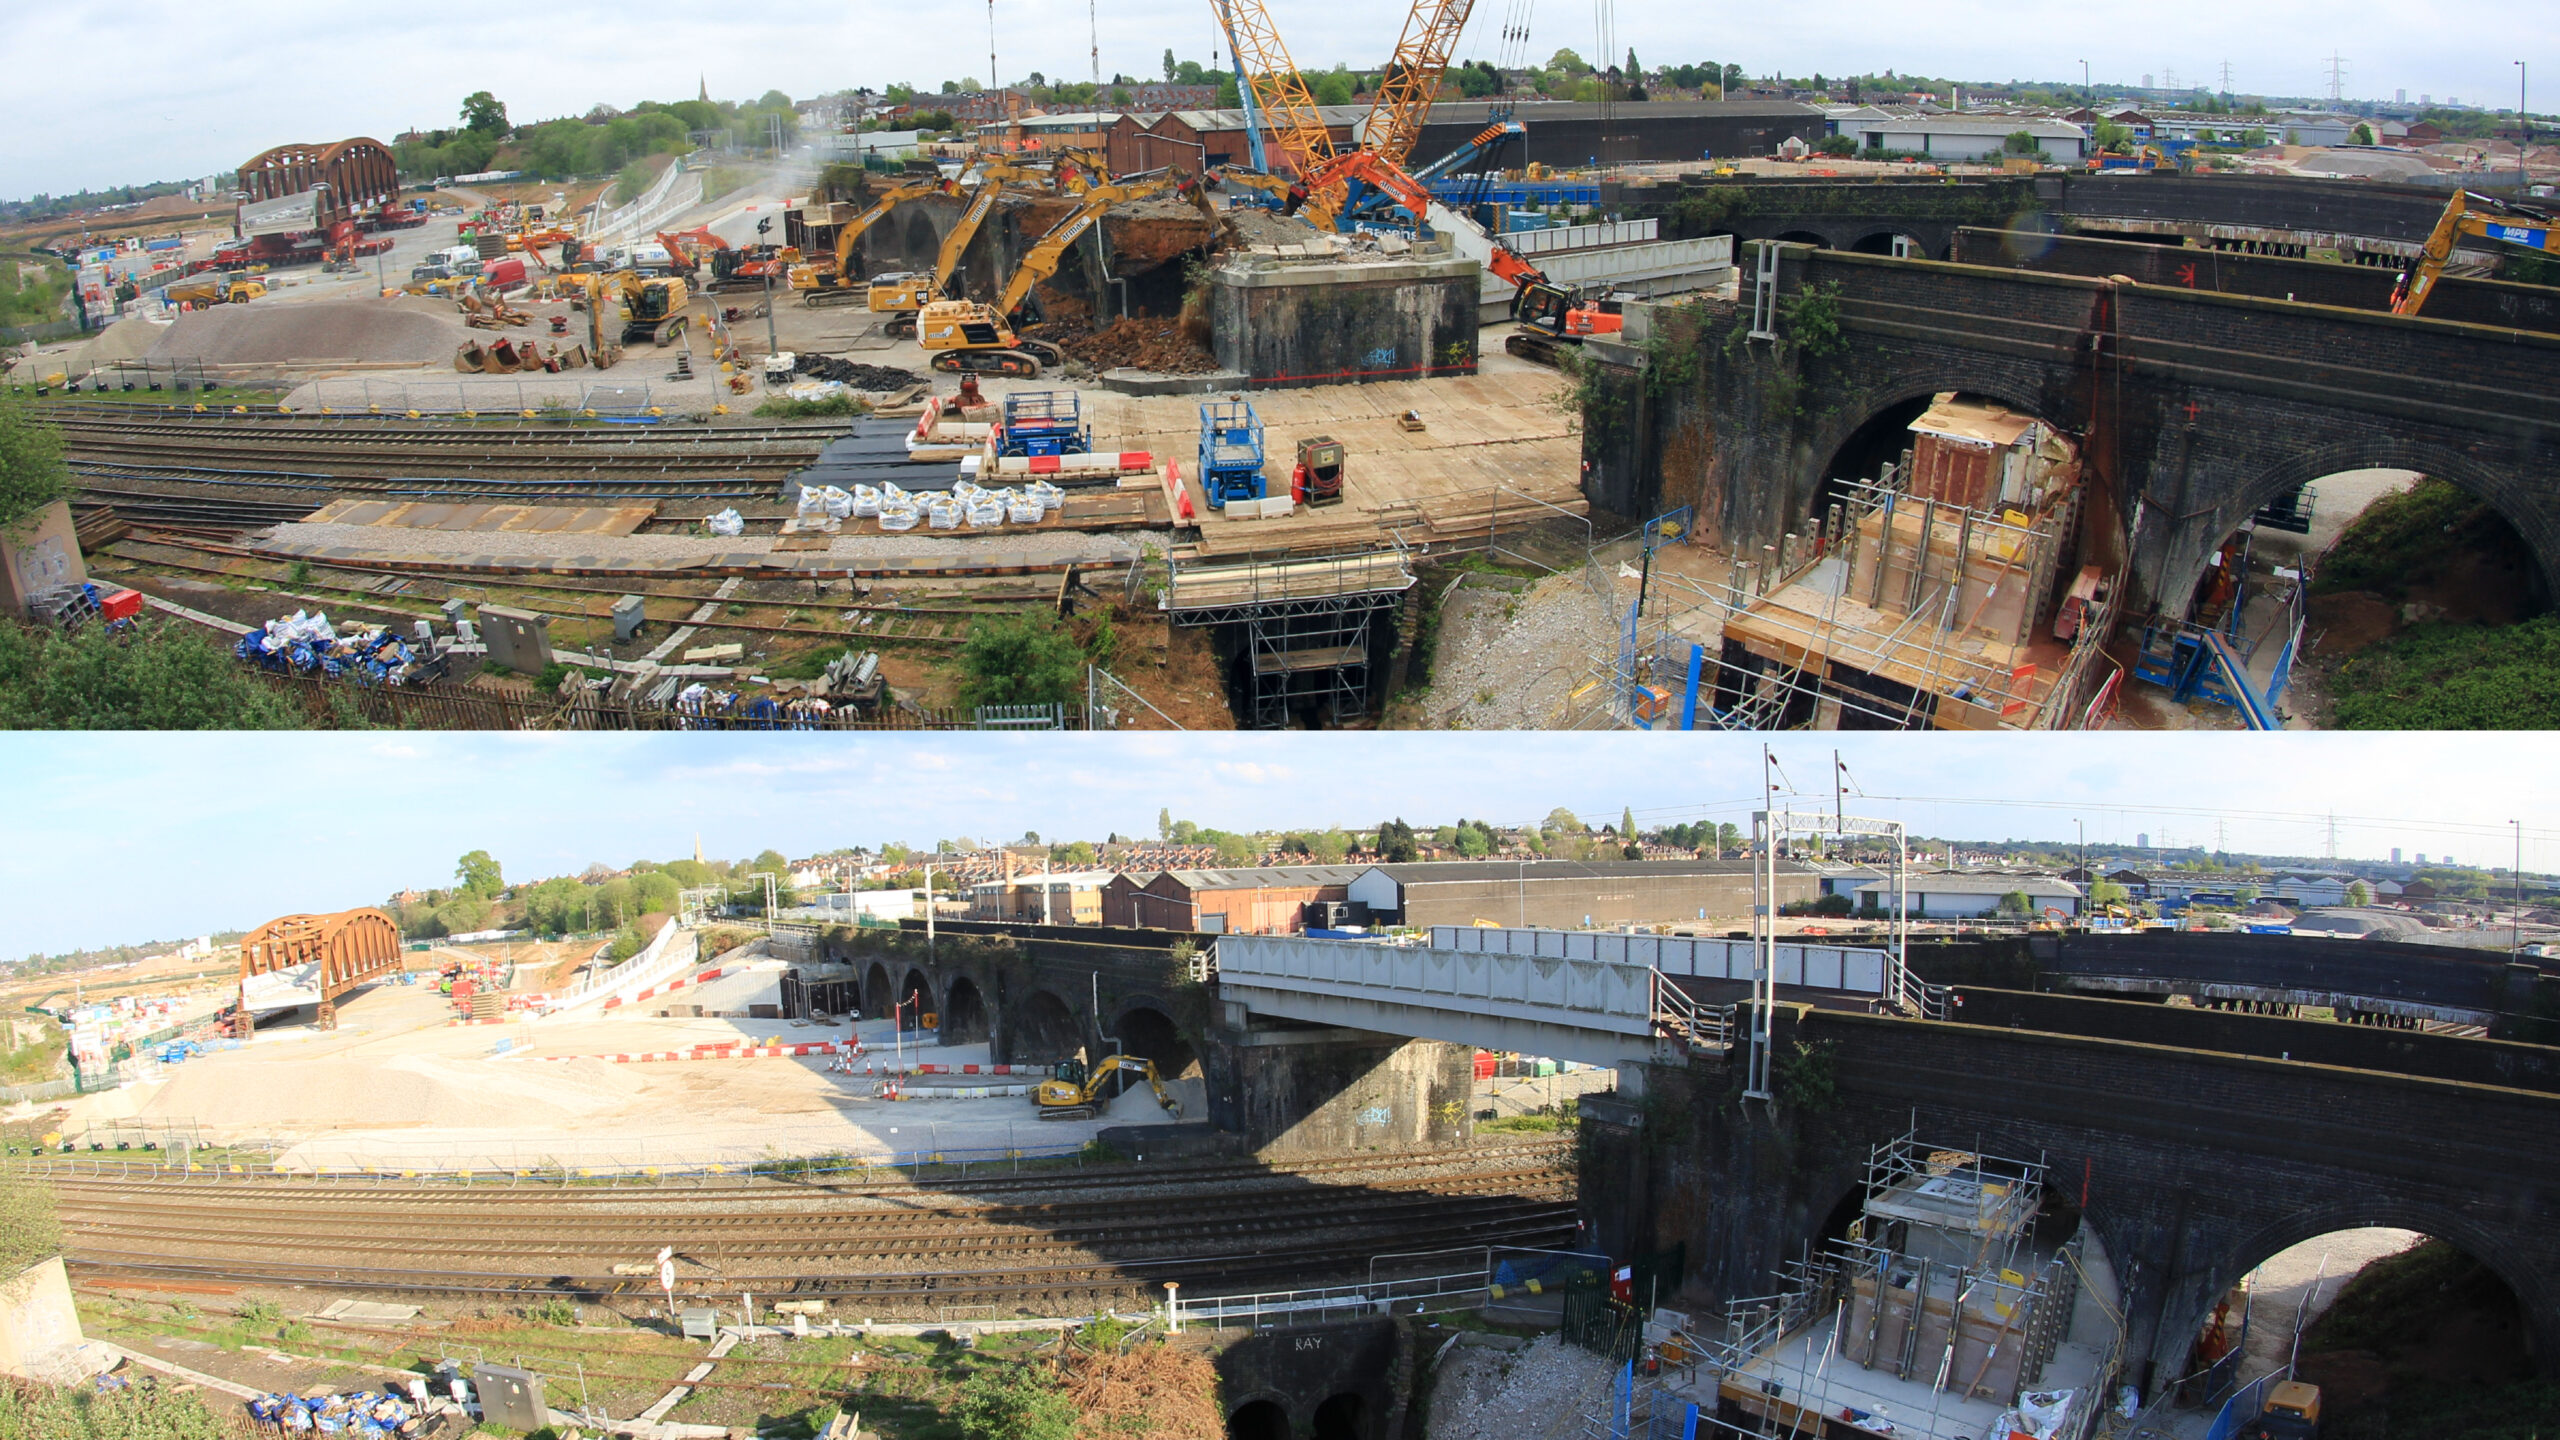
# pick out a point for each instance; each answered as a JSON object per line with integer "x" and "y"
{"x": 903, "y": 295}
{"x": 2478, "y": 216}
{"x": 967, "y": 335}
{"x": 1073, "y": 1093}
{"x": 821, "y": 283}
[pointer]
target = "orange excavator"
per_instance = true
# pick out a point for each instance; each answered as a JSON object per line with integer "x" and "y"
{"x": 1550, "y": 316}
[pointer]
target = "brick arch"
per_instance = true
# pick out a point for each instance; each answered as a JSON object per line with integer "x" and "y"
{"x": 2208, "y": 1278}
{"x": 2532, "y": 509}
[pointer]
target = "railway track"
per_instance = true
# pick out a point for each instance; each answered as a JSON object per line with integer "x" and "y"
{"x": 766, "y": 452}
{"x": 95, "y": 473}
{"x": 1031, "y": 1240}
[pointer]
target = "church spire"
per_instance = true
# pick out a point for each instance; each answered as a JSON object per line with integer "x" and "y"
{"x": 705, "y": 96}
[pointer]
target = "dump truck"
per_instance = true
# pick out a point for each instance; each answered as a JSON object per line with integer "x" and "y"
{"x": 1073, "y": 1093}
{"x": 212, "y": 289}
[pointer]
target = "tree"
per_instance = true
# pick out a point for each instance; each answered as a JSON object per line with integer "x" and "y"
{"x": 32, "y": 472}
{"x": 1169, "y": 71}
{"x": 1184, "y": 832}
{"x": 2106, "y": 892}
{"x": 1563, "y": 822}
{"x": 1014, "y": 1402}
{"x": 2016, "y": 903}
{"x": 167, "y": 675}
{"x": 2019, "y": 142}
{"x": 1627, "y": 817}
{"x": 1839, "y": 147}
{"x": 1568, "y": 62}
{"x": 1333, "y": 88}
{"x": 1396, "y": 844}
{"x": 2359, "y": 894}
{"x": 1074, "y": 855}
{"x": 1235, "y": 849}
{"x": 1329, "y": 847}
{"x": 479, "y": 874}
{"x": 484, "y": 114}
{"x": 1024, "y": 659}
{"x": 1164, "y": 821}
{"x": 1728, "y": 837}
{"x": 2362, "y": 135}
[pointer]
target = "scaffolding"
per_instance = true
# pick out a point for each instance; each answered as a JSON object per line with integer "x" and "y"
{"x": 1892, "y": 610}
{"x": 1305, "y": 630}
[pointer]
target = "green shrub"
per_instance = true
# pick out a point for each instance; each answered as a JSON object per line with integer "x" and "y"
{"x": 2454, "y": 677}
{"x": 1013, "y": 1402}
{"x": 783, "y": 407}
{"x": 1024, "y": 659}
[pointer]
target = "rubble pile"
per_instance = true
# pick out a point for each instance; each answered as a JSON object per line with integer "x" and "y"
{"x": 1156, "y": 344}
{"x": 854, "y": 373}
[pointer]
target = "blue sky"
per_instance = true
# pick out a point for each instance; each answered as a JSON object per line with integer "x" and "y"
{"x": 123, "y": 838}
{"x": 151, "y": 89}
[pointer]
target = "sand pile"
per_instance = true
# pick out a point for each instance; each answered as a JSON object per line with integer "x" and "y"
{"x": 323, "y": 330}
{"x": 127, "y": 339}
{"x": 252, "y": 1094}
{"x": 1136, "y": 1106}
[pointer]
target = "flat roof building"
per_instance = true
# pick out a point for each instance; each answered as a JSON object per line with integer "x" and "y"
{"x": 1956, "y": 897}
{"x": 1570, "y": 894}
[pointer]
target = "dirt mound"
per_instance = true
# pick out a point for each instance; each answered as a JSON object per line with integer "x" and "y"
{"x": 855, "y": 373}
{"x": 2348, "y": 621}
{"x": 323, "y": 330}
{"x": 1143, "y": 344}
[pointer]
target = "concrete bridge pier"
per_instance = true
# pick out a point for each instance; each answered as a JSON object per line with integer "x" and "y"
{"x": 1290, "y": 1088}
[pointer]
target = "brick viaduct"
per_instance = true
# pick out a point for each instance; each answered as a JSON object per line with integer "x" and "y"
{"x": 2196, "y": 408}
{"x": 2369, "y": 221}
{"x": 2195, "y": 1143}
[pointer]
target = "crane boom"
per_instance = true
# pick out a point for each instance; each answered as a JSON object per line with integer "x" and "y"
{"x": 1412, "y": 80}
{"x": 1296, "y": 124}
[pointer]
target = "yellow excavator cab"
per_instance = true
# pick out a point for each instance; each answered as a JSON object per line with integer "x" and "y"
{"x": 1072, "y": 1093}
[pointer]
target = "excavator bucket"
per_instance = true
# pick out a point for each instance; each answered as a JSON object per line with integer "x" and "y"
{"x": 471, "y": 359}
{"x": 503, "y": 358}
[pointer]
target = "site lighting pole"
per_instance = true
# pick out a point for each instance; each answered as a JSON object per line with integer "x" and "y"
{"x": 2087, "y": 90}
{"x": 2515, "y": 915}
{"x": 2524, "y": 130}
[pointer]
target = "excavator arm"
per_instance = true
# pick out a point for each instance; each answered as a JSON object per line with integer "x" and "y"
{"x": 2467, "y": 214}
{"x": 850, "y": 233}
{"x": 1041, "y": 261}
{"x": 964, "y": 230}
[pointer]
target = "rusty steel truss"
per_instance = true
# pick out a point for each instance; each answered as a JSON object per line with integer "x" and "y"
{"x": 348, "y": 948}
{"x": 360, "y": 174}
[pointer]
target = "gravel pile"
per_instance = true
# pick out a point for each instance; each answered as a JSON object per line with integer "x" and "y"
{"x": 1510, "y": 661}
{"x": 1541, "y": 1392}
{"x": 273, "y": 332}
{"x": 229, "y": 1097}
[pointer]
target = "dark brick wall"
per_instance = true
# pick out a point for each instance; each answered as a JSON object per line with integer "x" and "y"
{"x": 2197, "y": 408}
{"x": 2270, "y": 1037}
{"x": 1007, "y": 964}
{"x": 2194, "y": 1166}
{"x": 2442, "y": 975}
{"x": 1332, "y": 1091}
{"x": 2306, "y": 207}
{"x": 1299, "y": 1367}
{"x": 2268, "y": 277}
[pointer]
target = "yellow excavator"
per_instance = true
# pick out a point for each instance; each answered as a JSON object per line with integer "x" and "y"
{"x": 2477, "y": 216}
{"x": 1073, "y": 1093}
{"x": 824, "y": 284}
{"x": 902, "y": 295}
{"x": 967, "y": 335}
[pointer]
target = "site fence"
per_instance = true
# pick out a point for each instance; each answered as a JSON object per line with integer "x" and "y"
{"x": 1411, "y": 1296}
{"x": 553, "y": 398}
